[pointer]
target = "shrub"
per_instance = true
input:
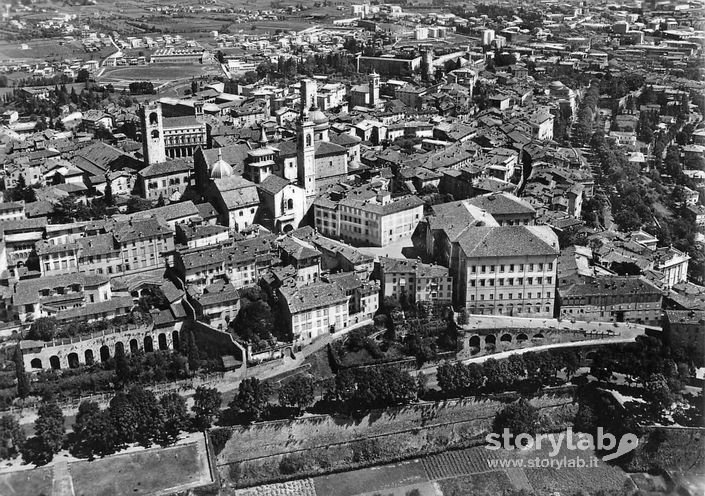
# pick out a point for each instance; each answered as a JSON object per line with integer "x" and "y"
{"x": 219, "y": 438}
{"x": 292, "y": 464}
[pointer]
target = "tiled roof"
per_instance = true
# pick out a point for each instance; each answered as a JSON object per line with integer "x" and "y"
{"x": 273, "y": 184}
{"x": 320, "y": 295}
{"x": 183, "y": 121}
{"x": 394, "y": 206}
{"x": 125, "y": 232}
{"x": 169, "y": 212}
{"x": 206, "y": 211}
{"x": 687, "y": 317}
{"x": 406, "y": 266}
{"x": 502, "y": 204}
{"x": 237, "y": 194}
{"x": 611, "y": 285}
{"x": 508, "y": 241}
{"x": 168, "y": 167}
{"x": 27, "y": 290}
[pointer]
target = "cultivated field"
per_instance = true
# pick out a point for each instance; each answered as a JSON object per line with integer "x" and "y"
{"x": 317, "y": 445}
{"x": 381, "y": 480}
{"x": 48, "y": 50}
{"x": 485, "y": 483}
{"x": 303, "y": 487}
{"x": 460, "y": 473}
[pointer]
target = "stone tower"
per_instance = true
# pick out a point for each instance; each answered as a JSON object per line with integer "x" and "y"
{"x": 306, "y": 157}
{"x": 428, "y": 62}
{"x": 309, "y": 95}
{"x": 374, "y": 89}
{"x": 152, "y": 133}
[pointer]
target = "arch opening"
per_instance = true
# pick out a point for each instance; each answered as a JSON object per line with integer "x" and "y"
{"x": 148, "y": 344}
{"x": 162, "y": 341}
{"x": 88, "y": 355}
{"x": 54, "y": 362}
{"x": 36, "y": 363}
{"x": 73, "y": 360}
{"x": 104, "y": 353}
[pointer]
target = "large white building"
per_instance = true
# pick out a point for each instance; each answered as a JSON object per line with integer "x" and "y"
{"x": 496, "y": 269}
{"x": 367, "y": 217}
{"x": 314, "y": 310}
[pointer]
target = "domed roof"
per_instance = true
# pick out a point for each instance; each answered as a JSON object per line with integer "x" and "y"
{"x": 318, "y": 117}
{"x": 221, "y": 168}
{"x": 556, "y": 85}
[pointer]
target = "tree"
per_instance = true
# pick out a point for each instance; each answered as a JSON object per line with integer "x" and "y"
{"x": 499, "y": 376}
{"x": 12, "y": 437}
{"x": 23, "y": 385}
{"x": 122, "y": 368}
{"x": 136, "y": 416}
{"x": 83, "y": 76}
{"x": 94, "y": 431}
{"x": 108, "y": 195}
{"x": 252, "y": 398}
{"x": 255, "y": 321}
{"x": 194, "y": 87}
{"x": 206, "y": 403}
{"x": 378, "y": 387}
{"x": 42, "y": 329}
{"x": 49, "y": 430}
{"x": 458, "y": 379}
{"x": 585, "y": 419}
{"x": 189, "y": 348}
{"x": 660, "y": 393}
{"x": 298, "y": 392}
{"x": 149, "y": 415}
{"x": 570, "y": 363}
{"x": 519, "y": 417}
{"x": 175, "y": 417}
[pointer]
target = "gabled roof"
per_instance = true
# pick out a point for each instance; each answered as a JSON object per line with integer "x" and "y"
{"x": 273, "y": 184}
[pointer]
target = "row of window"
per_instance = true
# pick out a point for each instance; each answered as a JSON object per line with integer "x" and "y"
{"x": 510, "y": 309}
{"x": 510, "y": 296}
{"x": 510, "y": 281}
{"x": 483, "y": 269}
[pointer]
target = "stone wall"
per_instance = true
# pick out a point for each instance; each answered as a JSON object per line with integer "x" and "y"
{"x": 84, "y": 350}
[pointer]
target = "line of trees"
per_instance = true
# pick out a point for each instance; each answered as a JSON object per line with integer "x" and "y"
{"x": 133, "y": 416}
{"x": 352, "y": 391}
{"x": 533, "y": 369}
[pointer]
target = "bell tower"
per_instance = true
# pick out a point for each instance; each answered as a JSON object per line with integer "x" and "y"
{"x": 152, "y": 134}
{"x": 306, "y": 157}
{"x": 373, "y": 90}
